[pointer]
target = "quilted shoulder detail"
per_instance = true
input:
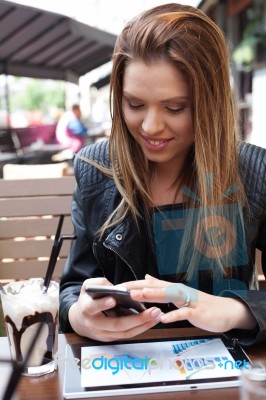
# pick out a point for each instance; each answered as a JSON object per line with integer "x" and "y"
{"x": 86, "y": 174}
{"x": 253, "y": 171}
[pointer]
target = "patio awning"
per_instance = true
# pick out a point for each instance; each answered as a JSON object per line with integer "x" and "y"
{"x": 102, "y": 82}
{"x": 41, "y": 44}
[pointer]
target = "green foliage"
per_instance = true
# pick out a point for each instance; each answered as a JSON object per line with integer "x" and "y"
{"x": 37, "y": 94}
{"x": 245, "y": 52}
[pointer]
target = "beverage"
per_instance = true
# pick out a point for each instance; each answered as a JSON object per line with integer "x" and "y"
{"x": 25, "y": 306}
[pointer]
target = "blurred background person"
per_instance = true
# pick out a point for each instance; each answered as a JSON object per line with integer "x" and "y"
{"x": 70, "y": 131}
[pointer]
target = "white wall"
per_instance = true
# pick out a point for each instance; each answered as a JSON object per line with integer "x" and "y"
{"x": 258, "y": 135}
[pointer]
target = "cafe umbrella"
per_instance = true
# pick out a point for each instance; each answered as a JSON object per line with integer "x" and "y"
{"x": 40, "y": 44}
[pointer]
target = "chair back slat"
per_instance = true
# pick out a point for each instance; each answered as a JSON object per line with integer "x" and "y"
{"x": 36, "y": 268}
{"x": 33, "y": 227}
{"x": 36, "y": 187}
{"x": 33, "y": 206}
{"x": 29, "y": 249}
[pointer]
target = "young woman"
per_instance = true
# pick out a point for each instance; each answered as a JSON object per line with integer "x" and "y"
{"x": 172, "y": 206}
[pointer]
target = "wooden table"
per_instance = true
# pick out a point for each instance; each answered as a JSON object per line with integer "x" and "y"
{"x": 50, "y": 386}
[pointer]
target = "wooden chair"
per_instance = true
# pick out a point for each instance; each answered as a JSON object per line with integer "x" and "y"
{"x": 29, "y": 215}
{"x": 9, "y": 147}
{"x": 31, "y": 171}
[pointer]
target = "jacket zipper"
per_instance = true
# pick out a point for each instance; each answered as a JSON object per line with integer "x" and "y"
{"x": 131, "y": 269}
{"x": 96, "y": 256}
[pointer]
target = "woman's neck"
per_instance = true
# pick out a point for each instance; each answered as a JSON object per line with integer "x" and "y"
{"x": 165, "y": 189}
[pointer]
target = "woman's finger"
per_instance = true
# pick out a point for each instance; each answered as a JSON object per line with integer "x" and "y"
{"x": 148, "y": 295}
{"x": 178, "y": 294}
{"x": 135, "y": 284}
{"x": 149, "y": 281}
{"x": 181, "y": 314}
{"x": 123, "y": 324}
{"x": 95, "y": 281}
{"x": 96, "y": 306}
{"x": 107, "y": 336}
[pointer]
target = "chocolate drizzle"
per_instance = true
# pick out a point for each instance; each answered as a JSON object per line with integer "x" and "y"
{"x": 27, "y": 321}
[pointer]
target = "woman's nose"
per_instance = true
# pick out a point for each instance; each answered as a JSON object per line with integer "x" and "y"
{"x": 152, "y": 122}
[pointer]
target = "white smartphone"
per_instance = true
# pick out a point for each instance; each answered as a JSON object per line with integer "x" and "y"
{"x": 125, "y": 305}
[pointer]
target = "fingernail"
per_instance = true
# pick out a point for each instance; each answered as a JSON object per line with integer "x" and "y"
{"x": 109, "y": 302}
{"x": 156, "y": 313}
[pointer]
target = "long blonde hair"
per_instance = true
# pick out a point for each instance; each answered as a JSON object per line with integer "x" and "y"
{"x": 188, "y": 39}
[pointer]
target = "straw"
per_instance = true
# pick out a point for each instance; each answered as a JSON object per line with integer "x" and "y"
{"x": 54, "y": 254}
{"x": 53, "y": 259}
{"x": 18, "y": 367}
{"x": 58, "y": 241}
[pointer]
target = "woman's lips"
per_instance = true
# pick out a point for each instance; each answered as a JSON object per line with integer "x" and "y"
{"x": 155, "y": 144}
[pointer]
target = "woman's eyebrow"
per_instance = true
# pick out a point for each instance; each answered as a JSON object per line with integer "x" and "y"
{"x": 172, "y": 99}
{"x": 176, "y": 98}
{"x": 130, "y": 96}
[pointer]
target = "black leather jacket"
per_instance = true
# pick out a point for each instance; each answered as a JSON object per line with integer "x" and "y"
{"x": 122, "y": 254}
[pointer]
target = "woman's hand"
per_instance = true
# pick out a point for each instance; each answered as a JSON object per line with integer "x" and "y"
{"x": 205, "y": 311}
{"x": 87, "y": 319}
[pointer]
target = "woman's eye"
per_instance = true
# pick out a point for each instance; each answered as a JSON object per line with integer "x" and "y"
{"x": 175, "y": 110}
{"x": 135, "y": 106}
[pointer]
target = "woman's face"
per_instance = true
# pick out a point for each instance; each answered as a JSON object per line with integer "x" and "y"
{"x": 157, "y": 110}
